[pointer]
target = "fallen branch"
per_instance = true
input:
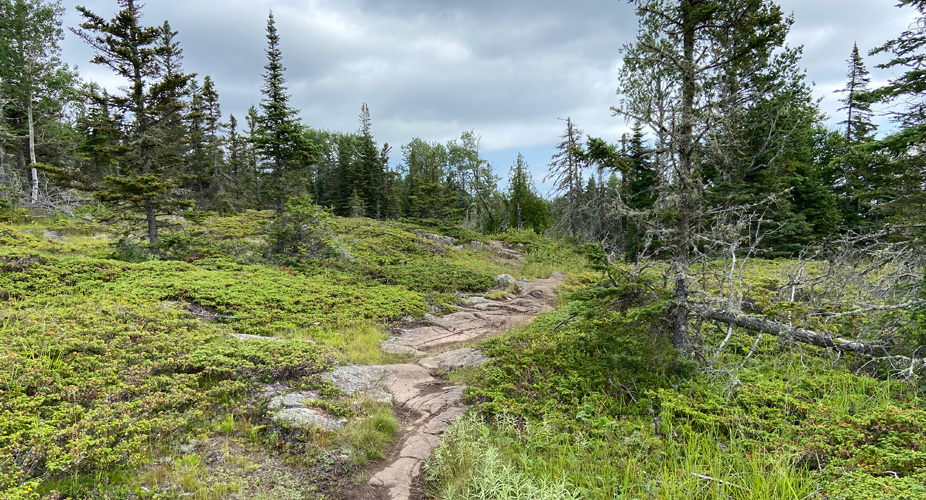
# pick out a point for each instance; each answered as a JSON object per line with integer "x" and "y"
{"x": 763, "y": 325}
{"x": 906, "y": 305}
{"x": 565, "y": 322}
{"x": 720, "y": 481}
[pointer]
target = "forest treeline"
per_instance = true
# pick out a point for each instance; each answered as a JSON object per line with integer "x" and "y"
{"x": 740, "y": 132}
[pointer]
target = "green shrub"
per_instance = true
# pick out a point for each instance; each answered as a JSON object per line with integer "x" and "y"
{"x": 91, "y": 385}
{"x": 302, "y": 233}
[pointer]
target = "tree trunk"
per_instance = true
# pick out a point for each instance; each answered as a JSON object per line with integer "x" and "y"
{"x": 683, "y": 181}
{"x": 151, "y": 217}
{"x": 763, "y": 325}
{"x": 34, "y": 173}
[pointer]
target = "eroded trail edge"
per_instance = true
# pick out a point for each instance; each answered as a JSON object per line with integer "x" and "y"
{"x": 426, "y": 402}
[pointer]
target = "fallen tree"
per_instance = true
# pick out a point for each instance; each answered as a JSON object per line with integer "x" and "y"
{"x": 758, "y": 324}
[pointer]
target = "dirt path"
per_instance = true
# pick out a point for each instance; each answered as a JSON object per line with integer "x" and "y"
{"x": 426, "y": 403}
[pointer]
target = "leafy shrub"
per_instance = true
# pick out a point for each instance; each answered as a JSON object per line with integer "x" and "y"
{"x": 302, "y": 233}
{"x": 91, "y": 385}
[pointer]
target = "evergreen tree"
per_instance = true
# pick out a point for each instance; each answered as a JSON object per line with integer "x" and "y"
{"x": 370, "y": 169}
{"x": 35, "y": 84}
{"x": 859, "y": 128}
{"x": 526, "y": 208}
{"x": 692, "y": 59}
{"x": 279, "y": 139}
{"x": 897, "y": 164}
{"x": 426, "y": 194}
{"x": 132, "y": 51}
{"x": 853, "y": 185}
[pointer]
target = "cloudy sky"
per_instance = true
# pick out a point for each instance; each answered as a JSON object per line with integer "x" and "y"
{"x": 435, "y": 68}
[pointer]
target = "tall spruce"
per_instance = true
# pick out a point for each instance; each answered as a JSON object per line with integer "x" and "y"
{"x": 132, "y": 51}
{"x": 35, "y": 84}
{"x": 898, "y": 164}
{"x": 527, "y": 210}
{"x": 852, "y": 183}
{"x": 279, "y": 140}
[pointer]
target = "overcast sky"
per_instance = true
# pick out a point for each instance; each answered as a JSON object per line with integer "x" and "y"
{"x": 435, "y": 68}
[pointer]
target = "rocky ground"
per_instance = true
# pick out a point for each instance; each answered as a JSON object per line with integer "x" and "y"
{"x": 425, "y": 401}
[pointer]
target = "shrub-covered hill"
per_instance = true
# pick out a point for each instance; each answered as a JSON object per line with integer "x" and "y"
{"x": 113, "y": 353}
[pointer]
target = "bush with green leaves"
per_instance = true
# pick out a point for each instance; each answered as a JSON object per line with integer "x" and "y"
{"x": 90, "y": 385}
{"x": 302, "y": 233}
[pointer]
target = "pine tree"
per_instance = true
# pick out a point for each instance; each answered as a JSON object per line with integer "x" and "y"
{"x": 279, "y": 139}
{"x": 852, "y": 185}
{"x": 526, "y": 208}
{"x": 133, "y": 51}
{"x": 691, "y": 60}
{"x": 370, "y": 167}
{"x": 565, "y": 170}
{"x": 897, "y": 163}
{"x": 859, "y": 128}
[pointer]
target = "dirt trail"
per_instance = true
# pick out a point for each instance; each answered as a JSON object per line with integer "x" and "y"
{"x": 428, "y": 404}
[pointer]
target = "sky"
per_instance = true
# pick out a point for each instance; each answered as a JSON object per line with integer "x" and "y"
{"x": 507, "y": 70}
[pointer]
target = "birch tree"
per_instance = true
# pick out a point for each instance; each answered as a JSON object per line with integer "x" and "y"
{"x": 36, "y": 83}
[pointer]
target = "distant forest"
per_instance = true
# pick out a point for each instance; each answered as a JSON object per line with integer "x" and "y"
{"x": 726, "y": 134}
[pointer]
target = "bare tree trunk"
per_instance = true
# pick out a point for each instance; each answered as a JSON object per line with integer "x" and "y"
{"x": 34, "y": 174}
{"x": 763, "y": 325}
{"x": 151, "y": 217}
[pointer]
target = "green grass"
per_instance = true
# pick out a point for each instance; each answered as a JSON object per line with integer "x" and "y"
{"x": 588, "y": 401}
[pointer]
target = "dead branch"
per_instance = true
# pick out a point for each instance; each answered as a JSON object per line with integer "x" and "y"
{"x": 906, "y": 305}
{"x": 763, "y": 325}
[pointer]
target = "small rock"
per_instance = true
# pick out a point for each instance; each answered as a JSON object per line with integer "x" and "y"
{"x": 244, "y": 336}
{"x": 505, "y": 280}
{"x": 188, "y": 448}
{"x": 440, "y": 240}
{"x": 477, "y": 300}
{"x": 292, "y": 400}
{"x": 53, "y": 235}
{"x": 306, "y": 418}
{"x": 363, "y": 379}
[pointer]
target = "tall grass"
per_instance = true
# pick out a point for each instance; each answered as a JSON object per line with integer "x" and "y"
{"x": 508, "y": 460}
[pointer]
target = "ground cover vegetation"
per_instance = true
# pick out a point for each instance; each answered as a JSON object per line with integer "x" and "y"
{"x": 743, "y": 316}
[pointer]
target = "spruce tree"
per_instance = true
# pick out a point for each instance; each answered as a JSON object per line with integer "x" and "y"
{"x": 526, "y": 208}
{"x": 133, "y": 52}
{"x": 691, "y": 60}
{"x": 852, "y": 185}
{"x": 897, "y": 163}
{"x": 279, "y": 139}
{"x": 35, "y": 84}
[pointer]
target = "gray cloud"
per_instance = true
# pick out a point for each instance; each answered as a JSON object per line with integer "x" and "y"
{"x": 432, "y": 69}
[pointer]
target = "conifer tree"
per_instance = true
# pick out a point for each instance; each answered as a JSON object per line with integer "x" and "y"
{"x": 859, "y": 128}
{"x": 36, "y": 85}
{"x": 899, "y": 167}
{"x": 692, "y": 59}
{"x": 526, "y": 208}
{"x": 279, "y": 139}
{"x": 853, "y": 183}
{"x": 370, "y": 168}
{"x": 565, "y": 170}
{"x": 133, "y": 52}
